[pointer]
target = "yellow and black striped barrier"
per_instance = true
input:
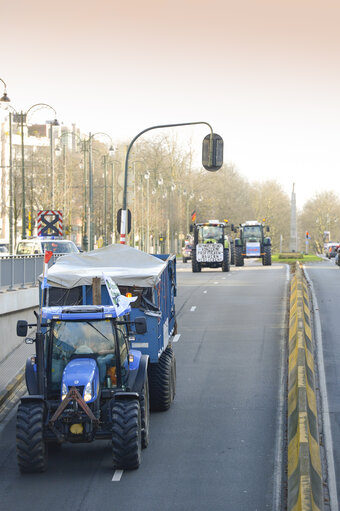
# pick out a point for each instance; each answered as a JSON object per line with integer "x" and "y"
{"x": 304, "y": 464}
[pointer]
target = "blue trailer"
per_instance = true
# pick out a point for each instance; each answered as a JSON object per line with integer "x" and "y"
{"x": 150, "y": 278}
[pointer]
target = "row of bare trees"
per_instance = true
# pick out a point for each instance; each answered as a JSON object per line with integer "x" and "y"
{"x": 164, "y": 188}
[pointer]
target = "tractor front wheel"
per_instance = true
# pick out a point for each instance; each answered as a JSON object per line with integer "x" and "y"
{"x": 239, "y": 260}
{"x": 126, "y": 434}
{"x": 267, "y": 258}
{"x": 31, "y": 446}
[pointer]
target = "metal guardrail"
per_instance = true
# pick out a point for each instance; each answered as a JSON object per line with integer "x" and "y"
{"x": 17, "y": 272}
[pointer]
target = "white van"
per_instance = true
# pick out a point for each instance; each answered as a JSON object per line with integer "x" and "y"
{"x": 40, "y": 245}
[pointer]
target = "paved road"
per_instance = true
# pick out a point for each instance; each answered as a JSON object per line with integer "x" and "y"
{"x": 326, "y": 283}
{"x": 218, "y": 447}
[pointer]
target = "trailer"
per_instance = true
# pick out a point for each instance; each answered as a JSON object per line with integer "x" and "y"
{"x": 150, "y": 278}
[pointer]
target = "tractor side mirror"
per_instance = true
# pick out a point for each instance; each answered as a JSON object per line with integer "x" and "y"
{"x": 191, "y": 228}
{"x": 22, "y": 328}
{"x": 140, "y": 325}
{"x": 268, "y": 229}
{"x": 232, "y": 227}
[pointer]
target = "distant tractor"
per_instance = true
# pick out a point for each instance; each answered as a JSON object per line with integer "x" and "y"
{"x": 211, "y": 247}
{"x": 253, "y": 243}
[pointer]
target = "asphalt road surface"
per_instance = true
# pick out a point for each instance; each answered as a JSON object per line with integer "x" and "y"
{"x": 220, "y": 446}
{"x": 325, "y": 278}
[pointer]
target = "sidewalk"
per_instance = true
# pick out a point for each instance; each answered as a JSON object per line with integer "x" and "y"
{"x": 12, "y": 370}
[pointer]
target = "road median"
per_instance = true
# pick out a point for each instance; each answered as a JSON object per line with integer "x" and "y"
{"x": 304, "y": 463}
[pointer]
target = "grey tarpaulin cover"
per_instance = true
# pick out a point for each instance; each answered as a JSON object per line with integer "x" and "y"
{"x": 126, "y": 265}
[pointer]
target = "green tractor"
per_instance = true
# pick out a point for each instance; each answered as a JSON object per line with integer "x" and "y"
{"x": 211, "y": 247}
{"x": 253, "y": 243}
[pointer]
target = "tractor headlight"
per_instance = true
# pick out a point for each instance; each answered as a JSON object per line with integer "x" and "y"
{"x": 63, "y": 391}
{"x": 88, "y": 392}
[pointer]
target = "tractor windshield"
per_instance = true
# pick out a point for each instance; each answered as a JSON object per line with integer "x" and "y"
{"x": 210, "y": 234}
{"x": 252, "y": 232}
{"x": 69, "y": 338}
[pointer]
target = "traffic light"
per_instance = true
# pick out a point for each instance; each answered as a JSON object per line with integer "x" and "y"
{"x": 307, "y": 235}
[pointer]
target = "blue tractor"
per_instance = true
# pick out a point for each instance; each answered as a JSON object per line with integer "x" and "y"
{"x": 84, "y": 383}
{"x": 151, "y": 280}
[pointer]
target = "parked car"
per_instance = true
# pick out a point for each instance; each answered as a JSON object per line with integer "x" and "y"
{"x": 332, "y": 250}
{"x": 4, "y": 248}
{"x": 40, "y": 245}
{"x": 186, "y": 252}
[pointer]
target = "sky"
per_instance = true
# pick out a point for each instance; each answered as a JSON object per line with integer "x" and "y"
{"x": 264, "y": 73}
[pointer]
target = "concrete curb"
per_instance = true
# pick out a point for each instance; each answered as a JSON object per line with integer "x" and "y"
{"x": 15, "y": 382}
{"x": 304, "y": 462}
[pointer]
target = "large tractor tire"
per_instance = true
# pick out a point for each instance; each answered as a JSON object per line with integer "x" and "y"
{"x": 161, "y": 382}
{"x": 126, "y": 434}
{"x": 226, "y": 262}
{"x": 196, "y": 267}
{"x": 31, "y": 447}
{"x": 267, "y": 258}
{"x": 239, "y": 260}
{"x": 170, "y": 352}
{"x": 144, "y": 401}
{"x": 232, "y": 253}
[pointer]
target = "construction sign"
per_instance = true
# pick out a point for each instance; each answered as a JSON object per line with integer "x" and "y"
{"x": 50, "y": 223}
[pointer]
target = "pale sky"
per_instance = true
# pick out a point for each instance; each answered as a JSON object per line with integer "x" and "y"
{"x": 264, "y": 73}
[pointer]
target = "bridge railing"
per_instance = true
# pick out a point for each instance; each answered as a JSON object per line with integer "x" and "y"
{"x": 21, "y": 271}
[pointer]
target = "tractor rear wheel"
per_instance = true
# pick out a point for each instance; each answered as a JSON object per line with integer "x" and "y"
{"x": 239, "y": 260}
{"x": 31, "y": 447}
{"x": 161, "y": 384}
{"x": 267, "y": 258}
{"x": 196, "y": 267}
{"x": 232, "y": 253}
{"x": 226, "y": 262}
{"x": 144, "y": 401}
{"x": 126, "y": 434}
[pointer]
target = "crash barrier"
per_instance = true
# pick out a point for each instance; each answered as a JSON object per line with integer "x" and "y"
{"x": 304, "y": 465}
{"x": 21, "y": 271}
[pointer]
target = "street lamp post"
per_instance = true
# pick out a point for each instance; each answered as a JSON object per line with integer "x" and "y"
{"x": 91, "y": 211}
{"x": 21, "y": 118}
{"x": 113, "y": 197}
{"x": 84, "y": 150}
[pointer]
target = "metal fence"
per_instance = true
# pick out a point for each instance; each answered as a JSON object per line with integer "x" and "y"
{"x": 18, "y": 272}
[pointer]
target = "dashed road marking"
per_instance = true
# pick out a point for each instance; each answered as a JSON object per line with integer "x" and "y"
{"x": 205, "y": 291}
{"x": 176, "y": 338}
{"x": 117, "y": 476}
{"x": 193, "y": 308}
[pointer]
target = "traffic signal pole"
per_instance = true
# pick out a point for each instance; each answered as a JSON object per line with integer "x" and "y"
{"x": 123, "y": 220}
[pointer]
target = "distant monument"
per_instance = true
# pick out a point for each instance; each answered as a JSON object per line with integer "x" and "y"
{"x": 293, "y": 245}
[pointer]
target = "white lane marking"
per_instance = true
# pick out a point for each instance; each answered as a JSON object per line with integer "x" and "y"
{"x": 216, "y": 282}
{"x": 176, "y": 338}
{"x": 117, "y": 476}
{"x": 205, "y": 291}
{"x": 327, "y": 431}
{"x": 193, "y": 308}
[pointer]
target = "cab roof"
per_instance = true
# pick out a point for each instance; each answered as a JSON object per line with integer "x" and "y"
{"x": 81, "y": 312}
